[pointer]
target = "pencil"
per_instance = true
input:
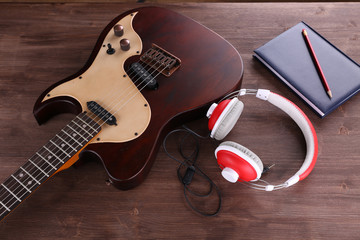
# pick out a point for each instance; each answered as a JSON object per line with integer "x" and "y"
{"x": 316, "y": 63}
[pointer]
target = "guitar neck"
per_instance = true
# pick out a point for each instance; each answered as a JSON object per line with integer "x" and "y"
{"x": 46, "y": 162}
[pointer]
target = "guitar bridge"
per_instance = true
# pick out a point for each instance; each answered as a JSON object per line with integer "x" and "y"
{"x": 161, "y": 60}
{"x": 101, "y": 112}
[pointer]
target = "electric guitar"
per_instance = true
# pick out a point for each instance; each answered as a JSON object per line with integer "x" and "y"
{"x": 151, "y": 70}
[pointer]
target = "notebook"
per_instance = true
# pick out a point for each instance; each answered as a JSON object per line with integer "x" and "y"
{"x": 288, "y": 57}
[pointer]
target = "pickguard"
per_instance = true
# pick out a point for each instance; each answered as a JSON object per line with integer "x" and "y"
{"x": 107, "y": 83}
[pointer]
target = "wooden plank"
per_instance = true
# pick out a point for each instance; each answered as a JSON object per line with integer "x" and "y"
{"x": 41, "y": 44}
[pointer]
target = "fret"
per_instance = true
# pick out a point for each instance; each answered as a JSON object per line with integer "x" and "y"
{"x": 71, "y": 137}
{"x": 21, "y": 184}
{"x": 25, "y": 180}
{"x": 15, "y": 186}
{"x": 90, "y": 121}
{"x": 39, "y": 159}
{"x": 86, "y": 124}
{"x": 13, "y": 195}
{"x": 82, "y": 128}
{"x": 60, "y": 148}
{"x": 51, "y": 157}
{"x": 6, "y": 196}
{"x": 30, "y": 175}
{"x": 34, "y": 172}
{"x": 52, "y": 154}
{"x": 8, "y": 199}
{"x": 77, "y": 133}
{"x": 11, "y": 192}
{"x": 46, "y": 161}
{"x": 38, "y": 168}
{"x": 67, "y": 143}
{"x": 51, "y": 151}
{"x": 5, "y": 206}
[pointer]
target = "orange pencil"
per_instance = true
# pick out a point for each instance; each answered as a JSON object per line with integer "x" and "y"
{"x": 316, "y": 63}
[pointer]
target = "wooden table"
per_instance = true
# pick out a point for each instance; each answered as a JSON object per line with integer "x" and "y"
{"x": 41, "y": 44}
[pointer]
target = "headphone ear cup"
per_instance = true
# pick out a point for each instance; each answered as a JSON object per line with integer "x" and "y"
{"x": 224, "y": 117}
{"x": 238, "y": 162}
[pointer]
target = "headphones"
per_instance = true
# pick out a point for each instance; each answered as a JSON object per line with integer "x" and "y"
{"x": 237, "y": 162}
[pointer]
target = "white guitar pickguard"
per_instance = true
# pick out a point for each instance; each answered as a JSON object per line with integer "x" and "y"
{"x": 107, "y": 83}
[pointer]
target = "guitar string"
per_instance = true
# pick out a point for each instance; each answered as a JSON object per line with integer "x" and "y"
{"x": 14, "y": 200}
{"x": 92, "y": 118}
{"x": 49, "y": 166}
{"x": 92, "y": 115}
{"x": 114, "y": 91}
{"x": 28, "y": 177}
{"x": 135, "y": 89}
{"x": 132, "y": 89}
{"x": 13, "y": 181}
{"x": 67, "y": 137}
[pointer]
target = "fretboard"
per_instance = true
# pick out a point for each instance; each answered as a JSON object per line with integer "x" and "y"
{"x": 45, "y": 162}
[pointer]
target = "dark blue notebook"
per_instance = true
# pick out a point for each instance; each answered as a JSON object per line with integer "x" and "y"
{"x": 287, "y": 56}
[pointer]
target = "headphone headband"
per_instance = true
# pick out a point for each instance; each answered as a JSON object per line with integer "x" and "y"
{"x": 301, "y": 120}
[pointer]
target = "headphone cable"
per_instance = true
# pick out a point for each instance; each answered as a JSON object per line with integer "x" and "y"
{"x": 189, "y": 161}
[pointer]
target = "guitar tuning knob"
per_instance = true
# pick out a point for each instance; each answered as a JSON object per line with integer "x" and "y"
{"x": 124, "y": 44}
{"x": 118, "y": 30}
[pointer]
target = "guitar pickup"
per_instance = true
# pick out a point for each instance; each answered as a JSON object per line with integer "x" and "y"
{"x": 101, "y": 112}
{"x": 144, "y": 76}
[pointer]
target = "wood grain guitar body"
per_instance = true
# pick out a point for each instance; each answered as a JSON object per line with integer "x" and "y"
{"x": 207, "y": 68}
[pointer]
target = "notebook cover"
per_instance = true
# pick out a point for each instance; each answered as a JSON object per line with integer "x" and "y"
{"x": 288, "y": 57}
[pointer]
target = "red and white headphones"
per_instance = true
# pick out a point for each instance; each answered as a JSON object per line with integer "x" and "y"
{"x": 239, "y": 163}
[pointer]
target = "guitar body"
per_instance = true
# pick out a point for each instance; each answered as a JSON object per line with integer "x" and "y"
{"x": 208, "y": 68}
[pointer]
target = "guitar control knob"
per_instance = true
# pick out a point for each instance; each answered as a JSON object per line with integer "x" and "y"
{"x": 118, "y": 30}
{"x": 125, "y": 44}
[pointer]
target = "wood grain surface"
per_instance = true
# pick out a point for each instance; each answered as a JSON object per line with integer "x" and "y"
{"x": 41, "y": 44}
